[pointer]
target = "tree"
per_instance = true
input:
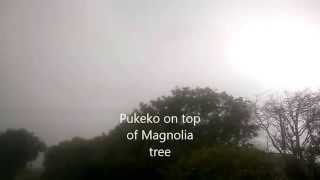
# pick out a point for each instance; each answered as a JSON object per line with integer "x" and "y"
{"x": 72, "y": 160}
{"x": 17, "y": 148}
{"x": 291, "y": 122}
{"x": 225, "y": 120}
{"x": 227, "y": 162}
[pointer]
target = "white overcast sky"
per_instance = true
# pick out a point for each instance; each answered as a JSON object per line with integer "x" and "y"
{"x": 69, "y": 67}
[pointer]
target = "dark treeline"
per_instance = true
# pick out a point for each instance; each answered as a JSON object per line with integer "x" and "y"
{"x": 222, "y": 148}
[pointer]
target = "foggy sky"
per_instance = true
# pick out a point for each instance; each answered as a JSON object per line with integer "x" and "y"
{"x": 69, "y": 67}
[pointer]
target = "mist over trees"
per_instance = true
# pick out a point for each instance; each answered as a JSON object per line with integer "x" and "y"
{"x": 222, "y": 148}
{"x": 225, "y": 120}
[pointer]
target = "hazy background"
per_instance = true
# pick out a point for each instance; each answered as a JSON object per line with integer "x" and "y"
{"x": 68, "y": 68}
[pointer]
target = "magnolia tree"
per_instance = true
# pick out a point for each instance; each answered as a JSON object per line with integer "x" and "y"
{"x": 292, "y": 123}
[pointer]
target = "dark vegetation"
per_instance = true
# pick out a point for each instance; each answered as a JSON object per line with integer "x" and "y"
{"x": 17, "y": 148}
{"x": 222, "y": 148}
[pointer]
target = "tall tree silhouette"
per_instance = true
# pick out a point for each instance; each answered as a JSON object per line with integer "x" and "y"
{"x": 292, "y": 123}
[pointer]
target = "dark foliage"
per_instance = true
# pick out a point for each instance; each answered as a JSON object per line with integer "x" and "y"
{"x": 220, "y": 150}
{"x": 225, "y": 120}
{"x": 17, "y": 148}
